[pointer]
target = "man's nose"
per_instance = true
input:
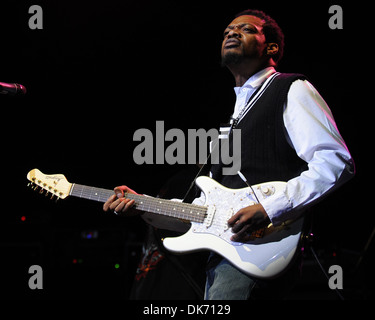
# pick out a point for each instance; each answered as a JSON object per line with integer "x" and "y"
{"x": 234, "y": 34}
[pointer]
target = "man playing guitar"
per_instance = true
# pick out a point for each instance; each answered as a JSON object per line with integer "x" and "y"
{"x": 287, "y": 134}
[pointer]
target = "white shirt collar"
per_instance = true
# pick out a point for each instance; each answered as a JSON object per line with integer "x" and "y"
{"x": 256, "y": 79}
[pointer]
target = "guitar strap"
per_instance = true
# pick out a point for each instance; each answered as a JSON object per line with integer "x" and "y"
{"x": 253, "y": 99}
{"x": 225, "y": 131}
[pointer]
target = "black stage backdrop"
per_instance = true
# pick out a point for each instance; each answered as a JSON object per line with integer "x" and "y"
{"x": 99, "y": 70}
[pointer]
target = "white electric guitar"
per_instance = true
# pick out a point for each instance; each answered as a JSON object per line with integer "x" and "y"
{"x": 267, "y": 255}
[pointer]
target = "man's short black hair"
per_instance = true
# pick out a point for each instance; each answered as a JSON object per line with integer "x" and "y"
{"x": 271, "y": 30}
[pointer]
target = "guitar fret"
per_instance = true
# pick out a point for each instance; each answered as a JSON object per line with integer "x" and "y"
{"x": 91, "y": 193}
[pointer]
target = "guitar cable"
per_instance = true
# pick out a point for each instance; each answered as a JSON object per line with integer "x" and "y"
{"x": 247, "y": 183}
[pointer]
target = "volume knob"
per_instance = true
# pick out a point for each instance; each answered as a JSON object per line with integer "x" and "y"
{"x": 267, "y": 191}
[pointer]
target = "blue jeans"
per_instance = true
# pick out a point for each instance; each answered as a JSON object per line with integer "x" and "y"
{"x": 225, "y": 282}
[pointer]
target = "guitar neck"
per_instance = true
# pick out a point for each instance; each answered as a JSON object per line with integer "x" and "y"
{"x": 185, "y": 211}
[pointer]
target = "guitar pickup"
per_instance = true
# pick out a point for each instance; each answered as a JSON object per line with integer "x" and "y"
{"x": 209, "y": 216}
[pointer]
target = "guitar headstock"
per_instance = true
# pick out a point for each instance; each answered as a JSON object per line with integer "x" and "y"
{"x": 54, "y": 184}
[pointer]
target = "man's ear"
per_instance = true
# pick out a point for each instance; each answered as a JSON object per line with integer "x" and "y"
{"x": 272, "y": 48}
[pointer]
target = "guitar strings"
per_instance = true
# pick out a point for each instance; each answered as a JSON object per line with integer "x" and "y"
{"x": 185, "y": 211}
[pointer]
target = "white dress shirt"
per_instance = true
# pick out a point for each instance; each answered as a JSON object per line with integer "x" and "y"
{"x": 312, "y": 132}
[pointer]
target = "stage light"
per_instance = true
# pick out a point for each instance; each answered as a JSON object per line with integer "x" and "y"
{"x": 89, "y": 234}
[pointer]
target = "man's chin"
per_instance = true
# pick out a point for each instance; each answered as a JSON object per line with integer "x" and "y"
{"x": 230, "y": 58}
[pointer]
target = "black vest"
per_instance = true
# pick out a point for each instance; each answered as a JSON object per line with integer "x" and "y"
{"x": 265, "y": 153}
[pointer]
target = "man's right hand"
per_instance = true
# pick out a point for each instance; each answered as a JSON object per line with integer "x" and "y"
{"x": 119, "y": 204}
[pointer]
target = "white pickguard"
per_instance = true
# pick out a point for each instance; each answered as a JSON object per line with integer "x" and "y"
{"x": 263, "y": 257}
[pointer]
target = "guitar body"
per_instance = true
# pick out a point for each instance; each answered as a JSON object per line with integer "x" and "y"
{"x": 263, "y": 257}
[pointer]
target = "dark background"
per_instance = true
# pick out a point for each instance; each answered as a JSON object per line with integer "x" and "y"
{"x": 100, "y": 70}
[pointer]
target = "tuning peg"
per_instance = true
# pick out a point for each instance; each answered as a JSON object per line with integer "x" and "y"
{"x": 52, "y": 196}
{"x": 46, "y": 194}
{"x": 30, "y": 184}
{"x": 41, "y": 191}
{"x": 35, "y": 188}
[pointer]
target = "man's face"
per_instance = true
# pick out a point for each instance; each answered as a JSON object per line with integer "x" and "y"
{"x": 243, "y": 39}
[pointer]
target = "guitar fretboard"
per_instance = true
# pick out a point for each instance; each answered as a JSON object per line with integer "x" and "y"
{"x": 185, "y": 211}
